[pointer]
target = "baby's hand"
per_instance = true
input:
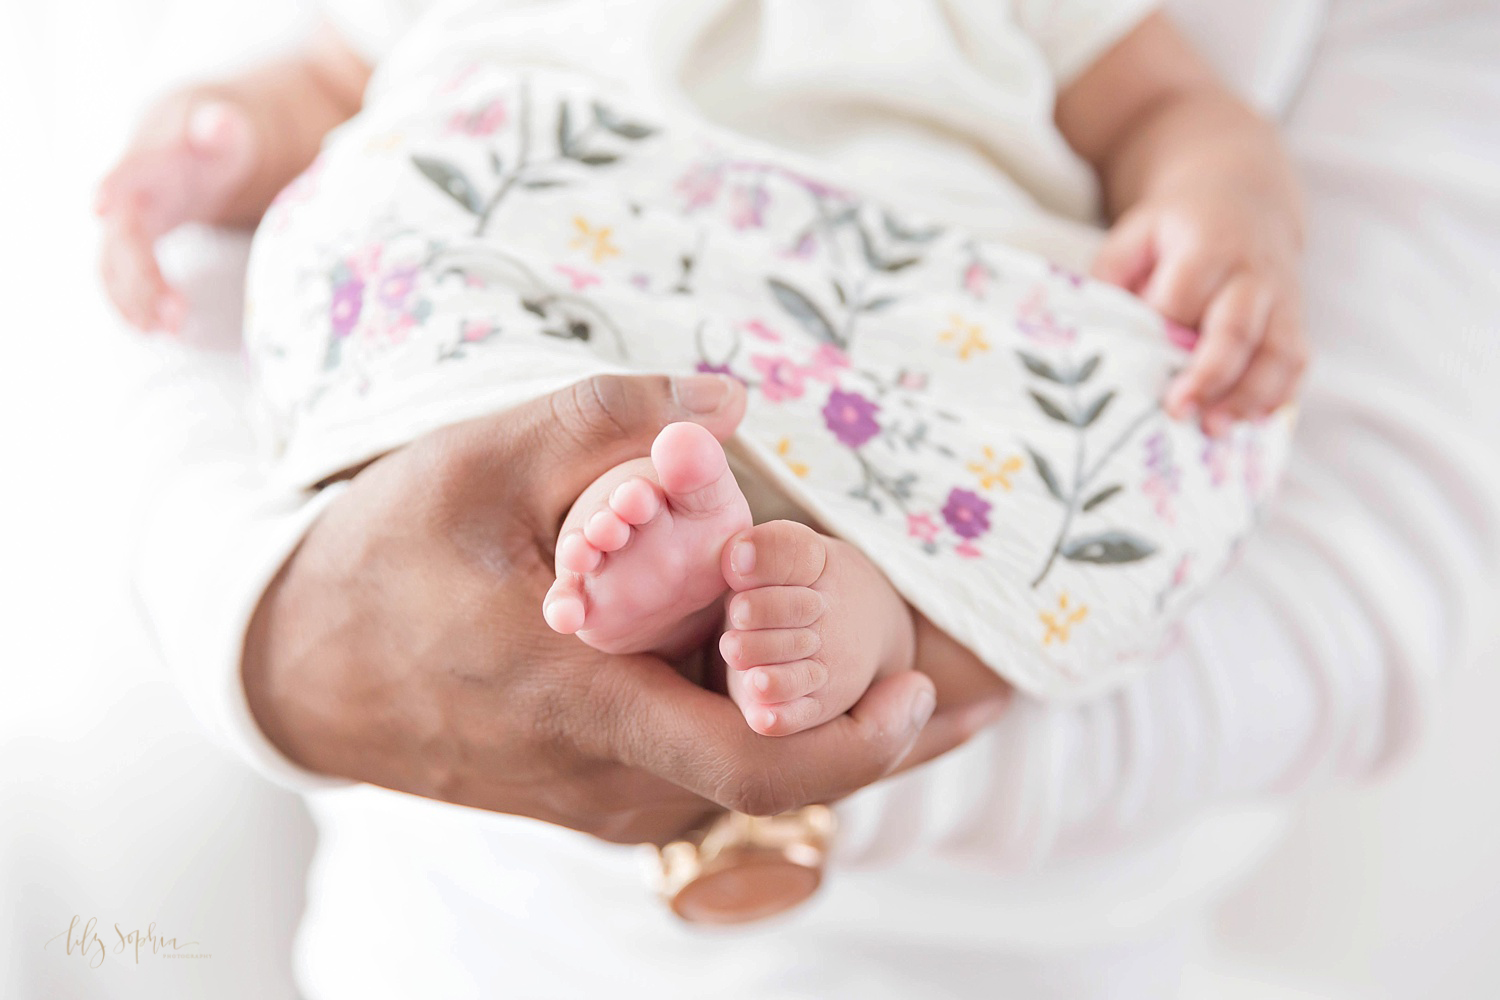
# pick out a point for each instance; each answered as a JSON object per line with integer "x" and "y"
{"x": 1225, "y": 263}
{"x": 192, "y": 155}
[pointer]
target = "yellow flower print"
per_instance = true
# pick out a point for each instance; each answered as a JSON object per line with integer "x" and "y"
{"x": 968, "y": 336}
{"x": 1060, "y": 623}
{"x": 784, "y": 449}
{"x": 596, "y": 241}
{"x": 993, "y": 472}
{"x": 385, "y": 142}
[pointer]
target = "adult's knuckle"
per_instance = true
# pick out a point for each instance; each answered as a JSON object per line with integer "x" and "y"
{"x": 601, "y": 407}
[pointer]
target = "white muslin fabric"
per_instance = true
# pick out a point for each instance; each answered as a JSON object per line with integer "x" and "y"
{"x": 982, "y": 422}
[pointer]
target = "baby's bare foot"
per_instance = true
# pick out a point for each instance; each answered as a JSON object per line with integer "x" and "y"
{"x": 812, "y": 625}
{"x": 638, "y": 555}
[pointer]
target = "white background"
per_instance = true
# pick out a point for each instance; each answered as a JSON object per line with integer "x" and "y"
{"x": 110, "y": 805}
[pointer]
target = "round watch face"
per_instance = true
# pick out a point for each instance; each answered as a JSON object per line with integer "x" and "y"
{"x": 750, "y": 885}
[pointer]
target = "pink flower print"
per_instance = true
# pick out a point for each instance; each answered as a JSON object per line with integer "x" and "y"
{"x": 1183, "y": 337}
{"x": 922, "y": 527}
{"x": 976, "y": 279}
{"x": 780, "y": 379}
{"x": 485, "y": 121}
{"x": 967, "y": 549}
{"x": 348, "y": 303}
{"x": 578, "y": 278}
{"x": 967, "y": 513}
{"x": 699, "y": 187}
{"x": 459, "y": 78}
{"x": 397, "y": 330}
{"x": 365, "y": 263}
{"x": 851, "y": 418}
{"x": 396, "y": 287}
{"x": 1180, "y": 574}
{"x": 826, "y": 363}
{"x": 475, "y": 331}
{"x": 748, "y": 207}
{"x": 1038, "y": 323}
{"x": 914, "y": 381}
{"x": 760, "y": 331}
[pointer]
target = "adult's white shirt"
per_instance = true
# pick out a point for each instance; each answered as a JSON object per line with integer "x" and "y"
{"x": 1062, "y": 831}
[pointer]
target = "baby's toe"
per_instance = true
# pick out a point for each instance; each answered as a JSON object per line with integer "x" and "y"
{"x": 576, "y": 555}
{"x": 786, "y": 718}
{"x": 636, "y": 501}
{"x": 606, "y": 531}
{"x": 775, "y": 608}
{"x": 774, "y": 554}
{"x": 564, "y": 607}
{"x": 742, "y": 650}
{"x": 784, "y": 682}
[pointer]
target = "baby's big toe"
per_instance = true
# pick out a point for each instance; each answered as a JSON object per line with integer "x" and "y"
{"x": 774, "y": 554}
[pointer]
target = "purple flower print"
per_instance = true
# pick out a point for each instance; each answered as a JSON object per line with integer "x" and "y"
{"x": 396, "y": 287}
{"x": 967, "y": 513}
{"x": 1163, "y": 478}
{"x": 977, "y": 279}
{"x": 1069, "y": 275}
{"x": 348, "y": 303}
{"x": 806, "y": 246}
{"x": 700, "y": 186}
{"x": 706, "y": 368}
{"x": 851, "y": 417}
{"x": 780, "y": 379}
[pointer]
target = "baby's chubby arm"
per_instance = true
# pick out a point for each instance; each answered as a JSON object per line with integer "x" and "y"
{"x": 217, "y": 153}
{"x": 1207, "y": 217}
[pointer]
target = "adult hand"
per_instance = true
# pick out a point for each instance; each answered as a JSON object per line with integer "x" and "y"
{"x": 403, "y": 644}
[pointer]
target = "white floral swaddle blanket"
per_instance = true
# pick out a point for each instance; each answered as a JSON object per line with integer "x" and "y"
{"x": 984, "y": 425}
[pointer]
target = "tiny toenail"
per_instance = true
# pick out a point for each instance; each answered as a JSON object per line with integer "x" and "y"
{"x": 739, "y": 615}
{"x": 730, "y": 647}
{"x": 742, "y": 558}
{"x": 767, "y": 718}
{"x": 921, "y": 709}
{"x": 761, "y": 680}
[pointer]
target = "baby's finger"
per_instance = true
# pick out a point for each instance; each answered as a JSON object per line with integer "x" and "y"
{"x": 131, "y": 275}
{"x": 1232, "y": 328}
{"x": 1128, "y": 254}
{"x": 1184, "y": 282}
{"x": 1271, "y": 379}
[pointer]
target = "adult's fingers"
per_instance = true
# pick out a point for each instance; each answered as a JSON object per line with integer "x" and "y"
{"x": 1128, "y": 254}
{"x": 652, "y": 718}
{"x": 1232, "y": 328}
{"x": 560, "y": 443}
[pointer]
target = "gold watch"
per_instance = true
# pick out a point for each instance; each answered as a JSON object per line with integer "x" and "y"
{"x": 737, "y": 868}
